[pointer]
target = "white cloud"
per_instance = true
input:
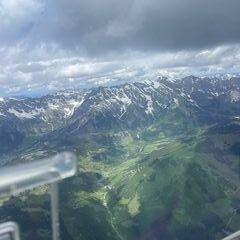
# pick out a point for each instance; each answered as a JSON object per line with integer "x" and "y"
{"x": 44, "y": 45}
{"x": 17, "y": 17}
{"x": 41, "y": 72}
{"x": 83, "y": 68}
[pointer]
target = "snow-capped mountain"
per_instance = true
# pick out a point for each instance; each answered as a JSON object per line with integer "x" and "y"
{"x": 34, "y": 116}
{"x": 136, "y": 104}
{"x": 40, "y": 115}
{"x": 121, "y": 107}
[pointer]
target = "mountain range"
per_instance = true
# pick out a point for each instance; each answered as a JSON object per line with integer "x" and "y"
{"x": 122, "y": 107}
{"x": 158, "y": 159}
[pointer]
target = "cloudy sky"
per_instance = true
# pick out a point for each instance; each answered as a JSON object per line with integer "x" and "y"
{"x": 50, "y": 45}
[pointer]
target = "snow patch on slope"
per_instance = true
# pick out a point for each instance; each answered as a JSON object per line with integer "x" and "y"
{"x": 150, "y": 108}
{"x": 22, "y": 114}
{"x": 73, "y": 105}
{"x": 235, "y": 96}
{"x": 124, "y": 99}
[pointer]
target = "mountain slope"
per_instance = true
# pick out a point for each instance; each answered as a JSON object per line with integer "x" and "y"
{"x": 157, "y": 160}
{"x": 134, "y": 105}
{"x": 20, "y": 118}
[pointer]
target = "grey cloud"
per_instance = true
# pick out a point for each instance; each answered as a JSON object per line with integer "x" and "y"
{"x": 17, "y": 18}
{"x": 51, "y": 45}
{"x": 98, "y": 27}
{"x": 30, "y": 68}
{"x": 62, "y": 73}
